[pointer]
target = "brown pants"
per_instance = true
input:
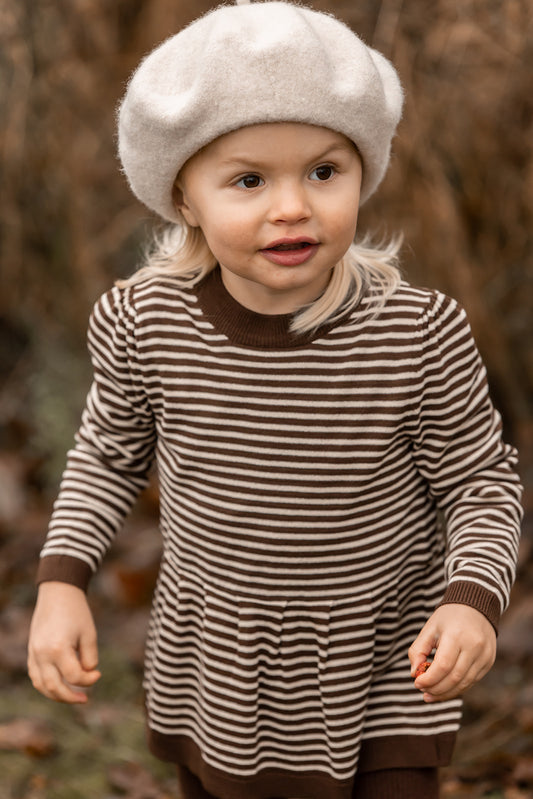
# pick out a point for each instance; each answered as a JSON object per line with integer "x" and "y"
{"x": 396, "y": 783}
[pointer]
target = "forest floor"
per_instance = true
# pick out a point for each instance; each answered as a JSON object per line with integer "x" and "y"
{"x": 98, "y": 751}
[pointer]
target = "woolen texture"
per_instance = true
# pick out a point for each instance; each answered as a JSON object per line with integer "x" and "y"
{"x": 302, "y": 481}
{"x": 400, "y": 783}
{"x": 385, "y": 784}
{"x": 249, "y": 64}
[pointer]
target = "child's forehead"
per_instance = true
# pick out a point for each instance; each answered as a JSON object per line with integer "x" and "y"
{"x": 268, "y": 140}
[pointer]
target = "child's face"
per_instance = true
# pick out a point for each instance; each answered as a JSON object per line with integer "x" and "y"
{"x": 278, "y": 206}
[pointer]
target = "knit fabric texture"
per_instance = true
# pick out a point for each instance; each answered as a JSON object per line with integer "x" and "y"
{"x": 384, "y": 784}
{"x": 251, "y": 64}
{"x": 303, "y": 482}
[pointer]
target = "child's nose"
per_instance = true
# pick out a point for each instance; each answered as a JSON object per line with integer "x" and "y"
{"x": 289, "y": 203}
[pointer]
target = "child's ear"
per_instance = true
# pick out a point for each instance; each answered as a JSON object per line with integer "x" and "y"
{"x": 180, "y": 204}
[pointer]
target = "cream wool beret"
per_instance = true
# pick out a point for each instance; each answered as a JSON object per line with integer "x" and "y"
{"x": 247, "y": 64}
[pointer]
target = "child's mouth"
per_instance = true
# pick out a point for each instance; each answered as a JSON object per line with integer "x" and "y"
{"x": 290, "y": 253}
{"x": 300, "y": 245}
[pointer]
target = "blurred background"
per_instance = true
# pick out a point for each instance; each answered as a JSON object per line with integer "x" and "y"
{"x": 460, "y": 187}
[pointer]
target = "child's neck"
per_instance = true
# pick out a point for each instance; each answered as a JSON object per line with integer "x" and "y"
{"x": 270, "y": 302}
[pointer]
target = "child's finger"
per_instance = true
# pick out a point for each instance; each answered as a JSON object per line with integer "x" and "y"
{"x": 73, "y": 672}
{"x": 466, "y": 673}
{"x": 445, "y": 663}
{"x": 51, "y": 683}
{"x": 59, "y": 680}
{"x": 453, "y": 690}
{"x": 421, "y": 647}
{"x": 88, "y": 652}
{"x": 453, "y": 683}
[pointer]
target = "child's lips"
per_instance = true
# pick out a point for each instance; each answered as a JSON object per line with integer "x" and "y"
{"x": 290, "y": 252}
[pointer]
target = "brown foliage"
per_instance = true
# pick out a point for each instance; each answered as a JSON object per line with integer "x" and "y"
{"x": 31, "y": 736}
{"x": 460, "y": 186}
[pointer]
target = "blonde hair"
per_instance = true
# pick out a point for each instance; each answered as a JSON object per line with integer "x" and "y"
{"x": 367, "y": 271}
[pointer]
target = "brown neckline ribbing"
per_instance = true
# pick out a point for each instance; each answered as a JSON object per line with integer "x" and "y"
{"x": 245, "y": 327}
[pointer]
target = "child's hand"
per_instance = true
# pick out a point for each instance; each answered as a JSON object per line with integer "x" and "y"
{"x": 465, "y": 644}
{"x": 62, "y": 650}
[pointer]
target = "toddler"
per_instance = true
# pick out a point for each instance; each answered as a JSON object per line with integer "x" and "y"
{"x": 337, "y": 505}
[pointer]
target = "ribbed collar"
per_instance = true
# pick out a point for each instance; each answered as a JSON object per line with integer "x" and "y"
{"x": 245, "y": 327}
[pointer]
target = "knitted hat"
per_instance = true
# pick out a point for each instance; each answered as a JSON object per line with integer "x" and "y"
{"x": 247, "y": 64}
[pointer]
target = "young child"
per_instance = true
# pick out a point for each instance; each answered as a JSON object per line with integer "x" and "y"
{"x": 313, "y": 419}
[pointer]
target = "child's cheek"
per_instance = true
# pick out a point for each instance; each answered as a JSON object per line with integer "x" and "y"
{"x": 235, "y": 239}
{"x": 343, "y": 227}
{"x": 239, "y": 234}
{"x": 228, "y": 240}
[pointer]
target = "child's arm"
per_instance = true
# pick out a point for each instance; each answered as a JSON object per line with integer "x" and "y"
{"x": 471, "y": 476}
{"x": 465, "y": 643}
{"x": 105, "y": 471}
{"x": 115, "y": 447}
{"x": 62, "y": 650}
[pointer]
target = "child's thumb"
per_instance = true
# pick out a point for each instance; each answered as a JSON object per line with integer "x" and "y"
{"x": 422, "y": 647}
{"x": 88, "y": 652}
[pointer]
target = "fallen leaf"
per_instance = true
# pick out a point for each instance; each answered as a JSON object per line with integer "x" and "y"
{"x": 523, "y": 771}
{"x": 134, "y": 781}
{"x": 422, "y": 668}
{"x": 516, "y": 793}
{"x": 31, "y": 736}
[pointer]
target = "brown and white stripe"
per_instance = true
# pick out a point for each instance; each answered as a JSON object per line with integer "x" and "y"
{"x": 302, "y": 479}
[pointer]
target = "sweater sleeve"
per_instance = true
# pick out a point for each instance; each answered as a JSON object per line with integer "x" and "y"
{"x": 470, "y": 471}
{"x": 114, "y": 450}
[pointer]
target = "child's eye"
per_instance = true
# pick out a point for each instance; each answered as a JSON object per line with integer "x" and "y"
{"x": 250, "y": 182}
{"x": 323, "y": 172}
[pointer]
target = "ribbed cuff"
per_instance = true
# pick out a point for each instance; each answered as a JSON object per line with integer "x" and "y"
{"x": 64, "y": 569}
{"x": 464, "y": 592}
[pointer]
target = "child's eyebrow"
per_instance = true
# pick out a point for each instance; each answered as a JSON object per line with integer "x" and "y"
{"x": 344, "y": 147}
{"x": 249, "y": 161}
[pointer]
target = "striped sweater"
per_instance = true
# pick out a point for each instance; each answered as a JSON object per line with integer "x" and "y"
{"x": 321, "y": 494}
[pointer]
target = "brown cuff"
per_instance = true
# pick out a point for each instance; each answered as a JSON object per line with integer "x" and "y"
{"x": 464, "y": 592}
{"x": 64, "y": 569}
